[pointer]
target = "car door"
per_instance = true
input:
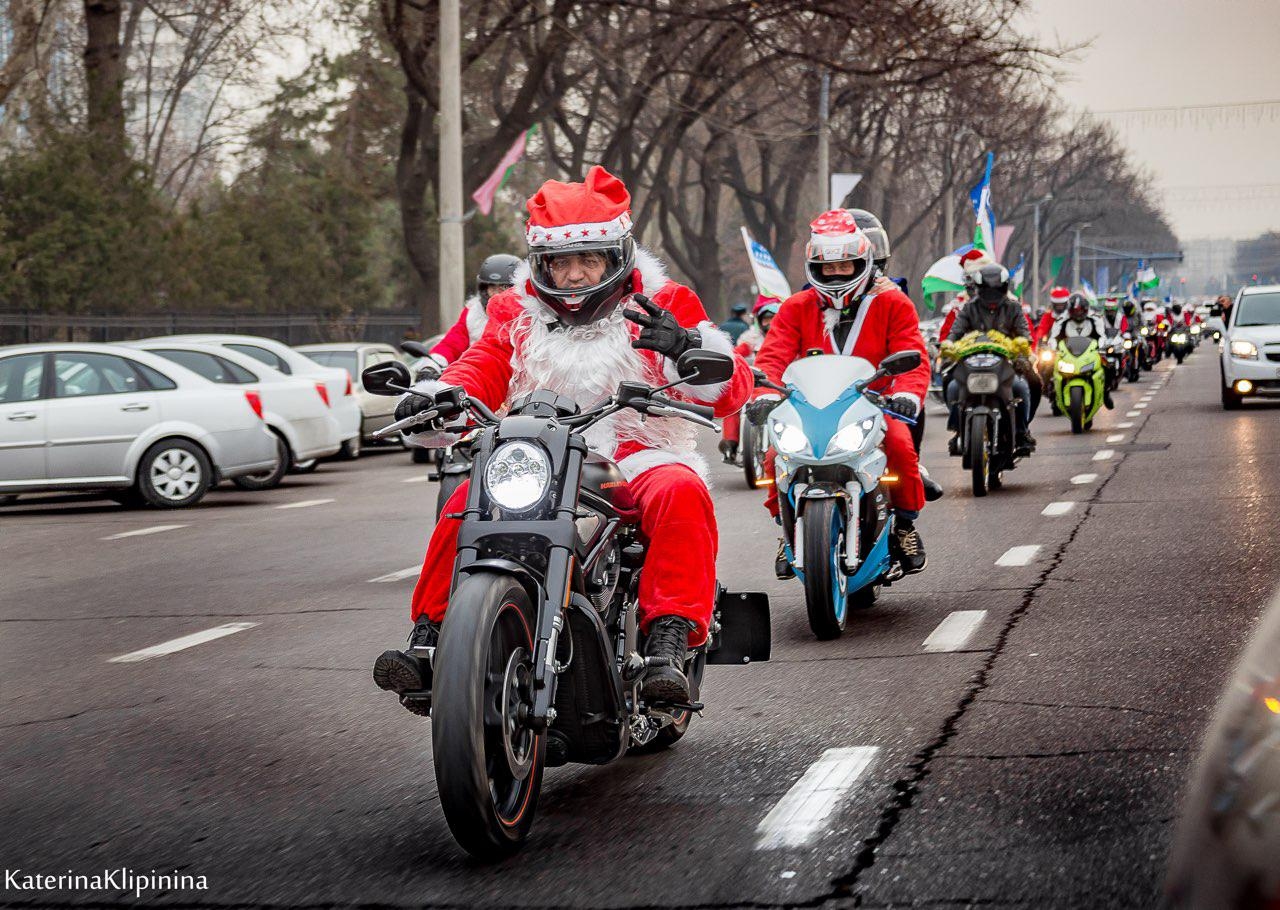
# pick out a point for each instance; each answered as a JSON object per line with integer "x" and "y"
{"x": 100, "y": 405}
{"x": 22, "y": 418}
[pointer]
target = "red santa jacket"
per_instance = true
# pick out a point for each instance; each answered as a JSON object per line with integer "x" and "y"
{"x": 886, "y": 323}
{"x": 524, "y": 348}
{"x": 465, "y": 332}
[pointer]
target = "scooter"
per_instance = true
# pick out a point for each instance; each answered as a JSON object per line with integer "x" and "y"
{"x": 1079, "y": 381}
{"x": 832, "y": 489}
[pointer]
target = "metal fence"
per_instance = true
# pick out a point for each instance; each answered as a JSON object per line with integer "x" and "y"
{"x": 28, "y": 328}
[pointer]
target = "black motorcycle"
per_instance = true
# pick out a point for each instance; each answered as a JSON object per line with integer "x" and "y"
{"x": 988, "y": 426}
{"x": 539, "y": 659}
{"x": 1180, "y": 343}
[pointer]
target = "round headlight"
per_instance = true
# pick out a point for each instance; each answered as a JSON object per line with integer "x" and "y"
{"x": 1127, "y": 344}
{"x": 789, "y": 439}
{"x": 517, "y": 476}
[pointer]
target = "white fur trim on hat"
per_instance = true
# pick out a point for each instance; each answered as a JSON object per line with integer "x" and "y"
{"x": 568, "y": 234}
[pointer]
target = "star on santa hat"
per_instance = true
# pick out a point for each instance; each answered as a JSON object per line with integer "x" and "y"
{"x": 599, "y": 207}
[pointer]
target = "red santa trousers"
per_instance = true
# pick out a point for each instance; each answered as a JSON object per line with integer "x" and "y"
{"x": 732, "y": 429}
{"x": 899, "y": 450}
{"x": 679, "y": 577}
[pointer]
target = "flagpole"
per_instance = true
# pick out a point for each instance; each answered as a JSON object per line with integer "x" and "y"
{"x": 452, "y": 246}
{"x": 824, "y": 148}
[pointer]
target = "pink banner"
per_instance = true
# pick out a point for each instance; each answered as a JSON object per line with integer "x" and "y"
{"x": 1003, "y": 233}
{"x": 484, "y": 195}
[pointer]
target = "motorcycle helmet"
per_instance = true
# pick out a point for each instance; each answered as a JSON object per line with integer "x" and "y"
{"x": 581, "y": 229}
{"x": 870, "y": 225}
{"x": 1078, "y": 307}
{"x": 989, "y": 285}
{"x": 1111, "y": 306}
{"x": 1176, "y": 309}
{"x": 497, "y": 273}
{"x": 835, "y": 239}
{"x": 764, "y": 316}
{"x": 1058, "y": 298}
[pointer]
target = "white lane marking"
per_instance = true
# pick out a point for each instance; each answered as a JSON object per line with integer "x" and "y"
{"x": 304, "y": 504}
{"x": 1084, "y": 478}
{"x": 1019, "y": 556}
{"x": 181, "y": 644}
{"x": 1057, "y": 509}
{"x": 1146, "y": 399}
{"x": 423, "y": 479}
{"x": 399, "y": 575}
{"x": 1103, "y": 454}
{"x": 1140, "y": 405}
{"x": 1124, "y": 426}
{"x": 799, "y": 815}
{"x": 1133, "y": 414}
{"x": 141, "y": 532}
{"x": 955, "y": 630}
{"x": 1116, "y": 437}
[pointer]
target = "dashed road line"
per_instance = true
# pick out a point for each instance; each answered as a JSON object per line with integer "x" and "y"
{"x": 399, "y": 575}
{"x": 1124, "y": 426}
{"x": 181, "y": 644}
{"x": 1133, "y": 414}
{"x": 1140, "y": 405}
{"x": 955, "y": 630}
{"x": 1080, "y": 479}
{"x": 1116, "y": 437}
{"x": 305, "y": 504}
{"x": 1057, "y": 509}
{"x": 1019, "y": 555}
{"x": 1104, "y": 454}
{"x": 800, "y": 814}
{"x": 141, "y": 532}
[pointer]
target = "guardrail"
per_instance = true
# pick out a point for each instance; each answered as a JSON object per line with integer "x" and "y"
{"x": 305, "y": 328}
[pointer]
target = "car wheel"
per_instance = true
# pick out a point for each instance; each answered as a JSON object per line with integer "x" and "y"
{"x": 350, "y": 449}
{"x": 271, "y": 478}
{"x": 173, "y": 473}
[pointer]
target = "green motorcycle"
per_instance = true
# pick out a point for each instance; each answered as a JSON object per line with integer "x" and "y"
{"x": 1079, "y": 381}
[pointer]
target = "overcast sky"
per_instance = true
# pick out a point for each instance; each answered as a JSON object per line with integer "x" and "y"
{"x": 1157, "y": 53}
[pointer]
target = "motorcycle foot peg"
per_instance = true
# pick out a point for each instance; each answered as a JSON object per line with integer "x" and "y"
{"x": 633, "y": 667}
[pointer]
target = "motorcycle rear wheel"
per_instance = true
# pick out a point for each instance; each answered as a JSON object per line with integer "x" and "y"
{"x": 825, "y": 584}
{"x": 1075, "y": 408}
{"x": 488, "y": 761}
{"x": 978, "y": 453}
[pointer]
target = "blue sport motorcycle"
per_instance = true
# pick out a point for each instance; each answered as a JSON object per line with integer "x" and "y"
{"x": 832, "y": 487}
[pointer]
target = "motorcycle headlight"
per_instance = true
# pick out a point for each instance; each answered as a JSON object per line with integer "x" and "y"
{"x": 1068, "y": 369}
{"x": 850, "y": 438}
{"x": 517, "y": 476}
{"x": 1244, "y": 349}
{"x": 983, "y": 383}
{"x": 1127, "y": 344}
{"x": 1046, "y": 356}
{"x": 789, "y": 439}
{"x": 1145, "y": 330}
{"x": 1195, "y": 330}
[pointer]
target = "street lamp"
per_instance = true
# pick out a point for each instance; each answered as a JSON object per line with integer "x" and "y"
{"x": 1035, "y": 253}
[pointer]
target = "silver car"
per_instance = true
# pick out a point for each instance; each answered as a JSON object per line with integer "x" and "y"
{"x": 94, "y": 416}
{"x": 376, "y": 411}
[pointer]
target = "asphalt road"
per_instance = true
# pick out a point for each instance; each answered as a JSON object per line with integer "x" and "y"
{"x": 1038, "y": 762}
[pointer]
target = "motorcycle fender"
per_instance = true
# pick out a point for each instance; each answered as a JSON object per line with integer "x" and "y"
{"x": 532, "y": 583}
{"x": 809, "y": 491}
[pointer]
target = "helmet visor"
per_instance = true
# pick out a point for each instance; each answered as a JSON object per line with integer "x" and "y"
{"x": 575, "y": 272}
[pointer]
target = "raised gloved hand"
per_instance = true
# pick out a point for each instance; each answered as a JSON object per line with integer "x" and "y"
{"x": 902, "y": 405}
{"x": 659, "y": 330}
{"x": 758, "y": 410}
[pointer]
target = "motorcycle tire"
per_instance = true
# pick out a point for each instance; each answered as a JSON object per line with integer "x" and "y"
{"x": 825, "y": 593}
{"x": 448, "y": 484}
{"x": 1075, "y": 409}
{"x": 488, "y": 764}
{"x": 752, "y": 454}
{"x": 1179, "y": 357}
{"x": 979, "y": 456}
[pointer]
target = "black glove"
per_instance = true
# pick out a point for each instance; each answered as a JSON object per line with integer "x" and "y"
{"x": 758, "y": 410}
{"x": 428, "y": 370}
{"x": 904, "y": 406}
{"x": 412, "y": 404}
{"x": 659, "y": 330}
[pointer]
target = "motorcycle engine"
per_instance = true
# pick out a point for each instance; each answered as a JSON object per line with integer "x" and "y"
{"x": 603, "y": 583}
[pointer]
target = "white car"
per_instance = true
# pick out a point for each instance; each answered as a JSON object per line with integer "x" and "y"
{"x": 355, "y": 357}
{"x": 281, "y": 357}
{"x": 99, "y": 417}
{"x": 293, "y": 407}
{"x": 1251, "y": 346}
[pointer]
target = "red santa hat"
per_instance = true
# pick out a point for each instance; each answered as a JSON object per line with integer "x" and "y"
{"x": 835, "y": 235}
{"x": 597, "y": 210}
{"x": 1059, "y": 295}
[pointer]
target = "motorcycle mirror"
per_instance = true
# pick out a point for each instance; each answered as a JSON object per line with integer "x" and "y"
{"x": 389, "y": 378}
{"x": 901, "y": 362}
{"x": 699, "y": 367}
{"x": 416, "y": 348}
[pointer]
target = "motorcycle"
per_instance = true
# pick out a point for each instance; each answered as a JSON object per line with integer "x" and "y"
{"x": 832, "y": 488}
{"x": 987, "y": 423}
{"x": 455, "y": 467}
{"x": 1079, "y": 381}
{"x": 752, "y": 448}
{"x": 1180, "y": 343}
{"x": 423, "y": 368}
{"x": 1113, "y": 360}
{"x": 1132, "y": 357}
{"x": 538, "y": 662}
{"x": 1045, "y": 359}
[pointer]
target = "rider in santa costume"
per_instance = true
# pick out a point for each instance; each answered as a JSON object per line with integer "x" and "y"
{"x": 577, "y": 323}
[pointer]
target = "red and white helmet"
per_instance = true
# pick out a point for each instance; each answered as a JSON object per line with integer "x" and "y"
{"x": 834, "y": 237}
{"x": 1058, "y": 298}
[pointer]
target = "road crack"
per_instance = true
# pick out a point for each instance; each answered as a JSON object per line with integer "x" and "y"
{"x": 75, "y": 714}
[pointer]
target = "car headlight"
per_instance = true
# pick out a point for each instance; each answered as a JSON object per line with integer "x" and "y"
{"x": 850, "y": 438}
{"x": 517, "y": 476}
{"x": 1127, "y": 344}
{"x": 982, "y": 383}
{"x": 1244, "y": 349}
{"x": 789, "y": 439}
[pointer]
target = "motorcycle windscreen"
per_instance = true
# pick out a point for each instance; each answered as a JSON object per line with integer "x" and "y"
{"x": 1078, "y": 345}
{"x": 823, "y": 379}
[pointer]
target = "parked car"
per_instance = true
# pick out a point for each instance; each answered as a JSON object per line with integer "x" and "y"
{"x": 279, "y": 356}
{"x": 294, "y": 407}
{"x": 376, "y": 411}
{"x": 99, "y": 417}
{"x": 1251, "y": 346}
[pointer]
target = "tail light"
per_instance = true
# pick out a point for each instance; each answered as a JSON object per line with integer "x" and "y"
{"x": 255, "y": 401}
{"x": 348, "y": 391}
{"x": 323, "y": 393}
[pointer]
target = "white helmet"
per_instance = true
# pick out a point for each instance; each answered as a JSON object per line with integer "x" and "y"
{"x": 835, "y": 237}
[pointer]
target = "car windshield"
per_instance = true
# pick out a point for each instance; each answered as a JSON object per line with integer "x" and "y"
{"x": 344, "y": 359}
{"x": 1259, "y": 309}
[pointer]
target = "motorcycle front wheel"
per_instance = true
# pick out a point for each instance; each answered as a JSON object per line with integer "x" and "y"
{"x": 1075, "y": 408}
{"x": 978, "y": 453}
{"x": 825, "y": 584}
{"x": 488, "y": 761}
{"x": 752, "y": 453}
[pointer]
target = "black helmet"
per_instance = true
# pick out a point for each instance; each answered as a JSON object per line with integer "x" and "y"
{"x": 988, "y": 285}
{"x": 870, "y": 225}
{"x": 1130, "y": 308}
{"x": 497, "y": 272}
{"x": 1078, "y": 306}
{"x": 1177, "y": 309}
